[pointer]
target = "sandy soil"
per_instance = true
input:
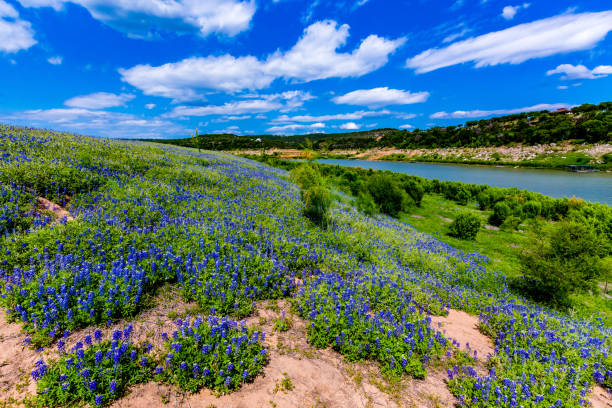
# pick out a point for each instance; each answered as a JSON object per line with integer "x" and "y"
{"x": 60, "y": 212}
{"x": 321, "y": 378}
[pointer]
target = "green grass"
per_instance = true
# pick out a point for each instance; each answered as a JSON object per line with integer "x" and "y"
{"x": 503, "y": 247}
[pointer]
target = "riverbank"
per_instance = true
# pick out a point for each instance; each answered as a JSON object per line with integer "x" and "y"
{"x": 551, "y": 156}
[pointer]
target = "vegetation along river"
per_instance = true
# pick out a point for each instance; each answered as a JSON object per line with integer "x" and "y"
{"x": 595, "y": 186}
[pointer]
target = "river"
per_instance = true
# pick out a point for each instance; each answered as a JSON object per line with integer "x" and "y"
{"x": 595, "y": 186}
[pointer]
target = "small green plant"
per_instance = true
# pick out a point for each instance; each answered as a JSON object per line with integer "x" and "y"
{"x": 285, "y": 384}
{"x": 465, "y": 226}
{"x": 282, "y": 324}
{"x": 317, "y": 202}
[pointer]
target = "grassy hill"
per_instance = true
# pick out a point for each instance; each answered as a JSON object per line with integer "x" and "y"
{"x": 145, "y": 287}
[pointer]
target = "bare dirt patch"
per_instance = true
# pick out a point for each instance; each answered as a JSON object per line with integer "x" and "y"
{"x": 59, "y": 211}
{"x": 600, "y": 398}
{"x": 463, "y": 327}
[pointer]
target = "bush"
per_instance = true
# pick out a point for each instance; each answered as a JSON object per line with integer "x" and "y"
{"x": 531, "y": 209}
{"x": 366, "y": 204}
{"x": 306, "y": 176}
{"x": 317, "y": 202}
{"x": 500, "y": 213}
{"x": 415, "y": 191}
{"x": 564, "y": 260}
{"x": 511, "y": 223}
{"x": 465, "y": 226}
{"x": 462, "y": 196}
{"x": 485, "y": 200}
{"x": 387, "y": 193}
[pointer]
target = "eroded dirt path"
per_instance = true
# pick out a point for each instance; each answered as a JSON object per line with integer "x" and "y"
{"x": 59, "y": 211}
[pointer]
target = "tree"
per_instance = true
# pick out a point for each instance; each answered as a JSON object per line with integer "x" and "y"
{"x": 564, "y": 260}
{"x": 387, "y": 193}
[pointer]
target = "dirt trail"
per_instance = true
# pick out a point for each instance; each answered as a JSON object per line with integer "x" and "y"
{"x": 59, "y": 211}
{"x": 463, "y": 328}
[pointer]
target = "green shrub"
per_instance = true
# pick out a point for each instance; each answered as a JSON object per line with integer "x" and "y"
{"x": 465, "y": 226}
{"x": 564, "y": 260}
{"x": 485, "y": 200}
{"x": 511, "y": 223}
{"x": 415, "y": 191}
{"x": 317, "y": 202}
{"x": 306, "y": 176}
{"x": 531, "y": 209}
{"x": 501, "y": 211}
{"x": 462, "y": 196}
{"x": 365, "y": 203}
{"x": 387, "y": 193}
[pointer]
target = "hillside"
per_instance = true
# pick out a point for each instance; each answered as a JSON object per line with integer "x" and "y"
{"x": 138, "y": 274}
{"x": 582, "y": 124}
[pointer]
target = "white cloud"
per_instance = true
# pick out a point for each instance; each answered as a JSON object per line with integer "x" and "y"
{"x": 55, "y": 60}
{"x": 6, "y": 10}
{"x": 454, "y": 36}
{"x": 383, "y": 96}
{"x": 180, "y": 80}
{"x": 570, "y": 71}
{"x": 150, "y": 106}
{"x": 138, "y": 17}
{"x": 510, "y": 11}
{"x": 406, "y": 127}
{"x": 97, "y": 122}
{"x": 99, "y": 100}
{"x": 562, "y": 87}
{"x": 541, "y": 38}
{"x": 483, "y": 113}
{"x": 255, "y": 104}
{"x": 313, "y": 57}
{"x": 286, "y": 129}
{"x": 15, "y": 34}
{"x": 350, "y": 126}
{"x": 324, "y": 118}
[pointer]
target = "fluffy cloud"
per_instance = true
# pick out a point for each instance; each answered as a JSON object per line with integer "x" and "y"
{"x": 55, "y": 60}
{"x": 350, "y": 126}
{"x": 139, "y": 17}
{"x": 291, "y": 128}
{"x": 15, "y": 34}
{"x": 541, "y": 38}
{"x": 483, "y": 113}
{"x": 97, "y": 122}
{"x": 150, "y": 106}
{"x": 570, "y": 71}
{"x": 99, "y": 100}
{"x": 510, "y": 11}
{"x": 324, "y": 118}
{"x": 313, "y": 57}
{"x": 384, "y": 96}
{"x": 406, "y": 127}
{"x": 254, "y": 104}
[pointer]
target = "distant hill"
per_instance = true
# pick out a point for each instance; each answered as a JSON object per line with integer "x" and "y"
{"x": 582, "y": 124}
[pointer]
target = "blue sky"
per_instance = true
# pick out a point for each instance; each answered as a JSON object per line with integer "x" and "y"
{"x": 161, "y": 68}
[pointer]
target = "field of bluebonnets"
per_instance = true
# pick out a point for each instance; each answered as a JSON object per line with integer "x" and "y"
{"x": 229, "y": 232}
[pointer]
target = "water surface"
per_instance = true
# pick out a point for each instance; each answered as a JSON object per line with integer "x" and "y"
{"x": 554, "y": 183}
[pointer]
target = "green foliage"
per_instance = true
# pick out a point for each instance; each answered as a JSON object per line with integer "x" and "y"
{"x": 465, "y": 226}
{"x": 217, "y": 354}
{"x": 98, "y": 375}
{"x": 317, "y": 202}
{"x": 501, "y": 211}
{"x": 387, "y": 193}
{"x": 365, "y": 203}
{"x": 564, "y": 260}
{"x": 306, "y": 176}
{"x": 532, "y": 209}
{"x": 415, "y": 190}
